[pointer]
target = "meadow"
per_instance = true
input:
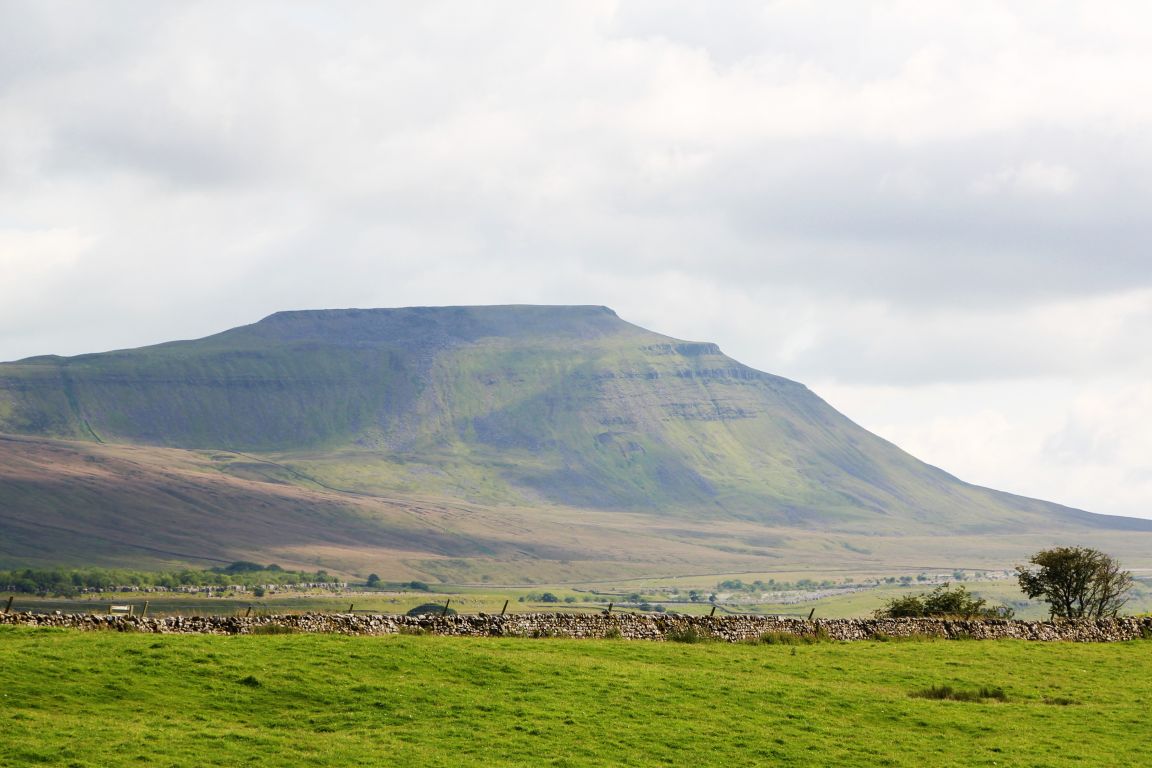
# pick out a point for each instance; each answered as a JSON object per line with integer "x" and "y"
{"x": 104, "y": 699}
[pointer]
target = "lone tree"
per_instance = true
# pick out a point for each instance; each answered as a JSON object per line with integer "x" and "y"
{"x": 1076, "y": 582}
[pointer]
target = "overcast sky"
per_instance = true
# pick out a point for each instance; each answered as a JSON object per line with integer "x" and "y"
{"x": 935, "y": 214}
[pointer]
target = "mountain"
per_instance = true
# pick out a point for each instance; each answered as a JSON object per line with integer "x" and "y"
{"x": 331, "y": 423}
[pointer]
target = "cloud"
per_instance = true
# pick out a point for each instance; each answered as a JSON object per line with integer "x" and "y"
{"x": 1078, "y": 444}
{"x": 898, "y": 194}
{"x": 1034, "y": 178}
{"x": 903, "y": 159}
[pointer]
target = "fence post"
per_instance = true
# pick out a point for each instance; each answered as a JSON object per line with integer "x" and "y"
{"x": 350, "y": 607}
{"x": 144, "y": 611}
{"x": 504, "y": 608}
{"x": 248, "y": 612}
{"x": 8, "y": 607}
{"x": 609, "y": 608}
{"x": 444, "y": 612}
{"x": 811, "y": 613}
{"x": 713, "y": 613}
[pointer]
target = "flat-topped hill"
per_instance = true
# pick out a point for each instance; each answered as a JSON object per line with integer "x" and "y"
{"x": 520, "y": 407}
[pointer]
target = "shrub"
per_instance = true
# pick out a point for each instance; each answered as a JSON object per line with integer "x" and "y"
{"x": 942, "y": 601}
{"x": 947, "y": 692}
{"x": 1060, "y": 701}
{"x": 687, "y": 634}
{"x": 911, "y": 637}
{"x": 787, "y": 638}
{"x": 272, "y": 629}
{"x": 430, "y": 609}
{"x": 243, "y": 566}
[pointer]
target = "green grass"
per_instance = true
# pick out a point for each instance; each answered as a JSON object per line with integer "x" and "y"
{"x": 76, "y": 699}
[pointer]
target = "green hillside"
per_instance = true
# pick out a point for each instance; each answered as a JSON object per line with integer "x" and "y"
{"x": 517, "y": 407}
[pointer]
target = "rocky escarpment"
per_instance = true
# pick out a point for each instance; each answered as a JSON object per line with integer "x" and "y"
{"x": 731, "y": 629}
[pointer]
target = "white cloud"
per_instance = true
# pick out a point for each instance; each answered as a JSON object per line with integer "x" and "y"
{"x": 1084, "y": 445}
{"x": 34, "y": 252}
{"x": 1030, "y": 179}
{"x": 907, "y": 195}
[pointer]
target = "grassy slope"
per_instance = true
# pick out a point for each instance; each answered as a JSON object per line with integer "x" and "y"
{"x": 160, "y": 506}
{"x": 525, "y": 418}
{"x": 108, "y": 699}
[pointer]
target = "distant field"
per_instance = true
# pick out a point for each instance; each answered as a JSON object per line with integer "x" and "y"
{"x": 570, "y": 598}
{"x": 76, "y": 699}
{"x": 656, "y": 593}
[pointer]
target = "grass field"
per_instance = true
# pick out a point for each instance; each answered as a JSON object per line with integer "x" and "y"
{"x": 102, "y": 699}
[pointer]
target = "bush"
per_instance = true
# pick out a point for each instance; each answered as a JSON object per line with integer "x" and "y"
{"x": 687, "y": 634}
{"x": 947, "y": 692}
{"x": 942, "y": 602}
{"x": 430, "y": 609}
{"x": 272, "y": 629}
{"x": 787, "y": 638}
{"x": 243, "y": 566}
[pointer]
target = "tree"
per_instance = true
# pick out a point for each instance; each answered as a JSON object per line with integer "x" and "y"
{"x": 1076, "y": 582}
{"x": 373, "y": 580}
{"x": 941, "y": 601}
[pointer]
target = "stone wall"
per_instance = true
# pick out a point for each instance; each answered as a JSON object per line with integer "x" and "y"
{"x": 622, "y": 625}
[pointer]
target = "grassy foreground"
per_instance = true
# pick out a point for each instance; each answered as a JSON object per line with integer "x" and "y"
{"x": 102, "y": 699}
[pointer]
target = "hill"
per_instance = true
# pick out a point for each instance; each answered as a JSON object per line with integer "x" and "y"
{"x": 530, "y": 419}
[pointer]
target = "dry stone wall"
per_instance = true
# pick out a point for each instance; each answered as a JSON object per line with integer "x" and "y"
{"x": 617, "y": 625}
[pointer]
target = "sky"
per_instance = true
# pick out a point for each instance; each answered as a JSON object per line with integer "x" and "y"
{"x": 934, "y": 214}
